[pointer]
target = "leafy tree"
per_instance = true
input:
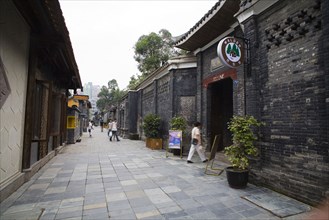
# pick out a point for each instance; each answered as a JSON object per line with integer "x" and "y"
{"x": 147, "y": 53}
{"x": 117, "y": 95}
{"x": 109, "y": 95}
{"x": 135, "y": 80}
{"x": 153, "y": 50}
{"x": 104, "y": 98}
{"x": 112, "y": 85}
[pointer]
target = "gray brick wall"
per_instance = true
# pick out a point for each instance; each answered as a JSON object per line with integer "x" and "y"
{"x": 184, "y": 85}
{"x": 288, "y": 89}
{"x": 184, "y": 104}
{"x": 132, "y": 111}
{"x": 148, "y": 104}
{"x": 164, "y": 107}
{"x": 167, "y": 97}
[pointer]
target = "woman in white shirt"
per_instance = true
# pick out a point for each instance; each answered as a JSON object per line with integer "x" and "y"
{"x": 114, "y": 130}
{"x": 196, "y": 144}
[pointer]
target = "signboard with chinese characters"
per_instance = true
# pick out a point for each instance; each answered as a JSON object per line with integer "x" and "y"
{"x": 231, "y": 52}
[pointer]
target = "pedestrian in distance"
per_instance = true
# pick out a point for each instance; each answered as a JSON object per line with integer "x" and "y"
{"x": 109, "y": 132}
{"x": 196, "y": 144}
{"x": 114, "y": 129}
{"x": 101, "y": 124}
{"x": 90, "y": 127}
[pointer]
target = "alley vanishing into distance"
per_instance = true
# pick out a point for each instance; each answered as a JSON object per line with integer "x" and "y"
{"x": 99, "y": 179}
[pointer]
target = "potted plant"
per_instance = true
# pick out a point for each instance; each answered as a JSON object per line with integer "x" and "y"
{"x": 178, "y": 123}
{"x": 239, "y": 153}
{"x": 151, "y": 128}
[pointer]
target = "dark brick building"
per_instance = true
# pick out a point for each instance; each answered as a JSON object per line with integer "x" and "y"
{"x": 168, "y": 92}
{"x": 284, "y": 83}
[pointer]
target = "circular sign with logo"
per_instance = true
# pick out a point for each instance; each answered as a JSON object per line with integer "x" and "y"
{"x": 230, "y": 52}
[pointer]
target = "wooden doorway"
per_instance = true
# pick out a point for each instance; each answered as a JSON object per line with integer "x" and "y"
{"x": 220, "y": 110}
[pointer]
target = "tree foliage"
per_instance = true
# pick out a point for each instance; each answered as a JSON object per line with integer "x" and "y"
{"x": 109, "y": 95}
{"x": 243, "y": 137}
{"x": 104, "y": 98}
{"x": 112, "y": 85}
{"x": 178, "y": 123}
{"x": 151, "y": 126}
{"x": 153, "y": 50}
{"x": 134, "y": 81}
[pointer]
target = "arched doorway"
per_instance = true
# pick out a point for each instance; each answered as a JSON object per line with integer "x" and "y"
{"x": 220, "y": 110}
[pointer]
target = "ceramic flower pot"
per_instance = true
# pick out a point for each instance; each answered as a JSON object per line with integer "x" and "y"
{"x": 237, "y": 178}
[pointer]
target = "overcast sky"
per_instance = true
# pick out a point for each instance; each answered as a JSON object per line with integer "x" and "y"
{"x": 104, "y": 32}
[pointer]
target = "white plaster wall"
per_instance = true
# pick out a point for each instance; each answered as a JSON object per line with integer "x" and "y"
{"x": 14, "y": 51}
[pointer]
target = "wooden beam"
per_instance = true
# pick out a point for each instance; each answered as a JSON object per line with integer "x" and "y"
{"x": 28, "y": 125}
{"x": 46, "y": 40}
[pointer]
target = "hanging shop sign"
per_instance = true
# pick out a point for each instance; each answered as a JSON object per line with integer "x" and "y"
{"x": 230, "y": 52}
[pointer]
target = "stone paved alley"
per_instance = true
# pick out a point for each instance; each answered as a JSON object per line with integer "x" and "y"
{"x": 98, "y": 179}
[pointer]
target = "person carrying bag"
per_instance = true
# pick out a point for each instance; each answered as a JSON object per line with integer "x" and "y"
{"x": 114, "y": 130}
{"x": 109, "y": 132}
{"x": 196, "y": 144}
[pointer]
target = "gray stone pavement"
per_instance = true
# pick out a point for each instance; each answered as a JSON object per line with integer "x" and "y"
{"x": 99, "y": 179}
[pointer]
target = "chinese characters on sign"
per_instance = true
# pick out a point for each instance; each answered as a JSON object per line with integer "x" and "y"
{"x": 230, "y": 52}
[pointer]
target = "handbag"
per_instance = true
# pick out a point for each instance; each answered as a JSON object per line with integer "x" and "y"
{"x": 194, "y": 141}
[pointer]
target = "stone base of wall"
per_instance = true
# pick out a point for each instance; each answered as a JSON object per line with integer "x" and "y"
{"x": 10, "y": 186}
{"x": 134, "y": 136}
{"x": 124, "y": 133}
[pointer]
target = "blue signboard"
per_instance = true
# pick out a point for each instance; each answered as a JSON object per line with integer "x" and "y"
{"x": 175, "y": 139}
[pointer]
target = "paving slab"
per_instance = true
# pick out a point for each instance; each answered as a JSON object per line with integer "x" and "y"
{"x": 280, "y": 205}
{"x": 98, "y": 179}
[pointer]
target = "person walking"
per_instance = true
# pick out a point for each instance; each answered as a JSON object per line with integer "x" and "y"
{"x": 109, "y": 132}
{"x": 114, "y": 129}
{"x": 90, "y": 126}
{"x": 101, "y": 124}
{"x": 196, "y": 144}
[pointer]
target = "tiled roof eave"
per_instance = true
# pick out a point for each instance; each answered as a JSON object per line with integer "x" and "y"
{"x": 58, "y": 22}
{"x": 201, "y": 22}
{"x": 48, "y": 26}
{"x": 216, "y": 21}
